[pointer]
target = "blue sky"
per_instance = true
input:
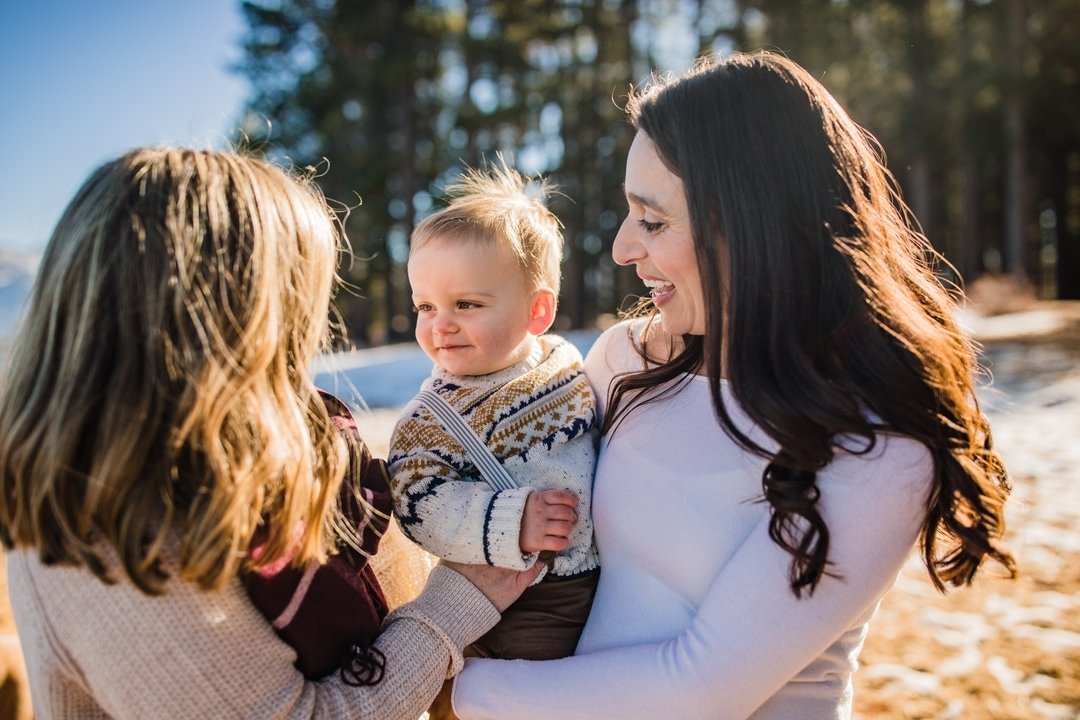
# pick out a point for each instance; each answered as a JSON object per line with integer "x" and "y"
{"x": 81, "y": 82}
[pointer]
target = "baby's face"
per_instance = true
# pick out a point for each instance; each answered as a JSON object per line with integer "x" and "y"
{"x": 473, "y": 306}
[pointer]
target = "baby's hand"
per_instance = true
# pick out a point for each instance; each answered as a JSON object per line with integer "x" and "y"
{"x": 547, "y": 521}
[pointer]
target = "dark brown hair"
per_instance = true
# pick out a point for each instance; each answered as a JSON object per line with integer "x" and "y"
{"x": 834, "y": 322}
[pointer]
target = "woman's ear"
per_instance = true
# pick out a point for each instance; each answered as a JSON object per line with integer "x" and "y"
{"x": 542, "y": 313}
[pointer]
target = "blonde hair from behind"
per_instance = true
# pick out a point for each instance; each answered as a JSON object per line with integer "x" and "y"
{"x": 500, "y": 207}
{"x": 157, "y": 388}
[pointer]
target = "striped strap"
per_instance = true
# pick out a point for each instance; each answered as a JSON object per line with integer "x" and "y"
{"x": 490, "y": 469}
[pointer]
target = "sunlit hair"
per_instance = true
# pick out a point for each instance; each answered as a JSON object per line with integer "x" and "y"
{"x": 833, "y": 323}
{"x": 500, "y": 207}
{"x": 157, "y": 386}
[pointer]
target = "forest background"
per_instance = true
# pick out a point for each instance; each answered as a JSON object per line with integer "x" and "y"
{"x": 976, "y": 102}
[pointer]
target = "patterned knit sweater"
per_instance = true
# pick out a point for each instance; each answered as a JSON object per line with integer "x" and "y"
{"x": 538, "y": 418}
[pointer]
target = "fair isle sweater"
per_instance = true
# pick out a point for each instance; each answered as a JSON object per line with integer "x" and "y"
{"x": 538, "y": 418}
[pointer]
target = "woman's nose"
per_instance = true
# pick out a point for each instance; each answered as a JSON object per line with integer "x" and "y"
{"x": 626, "y": 249}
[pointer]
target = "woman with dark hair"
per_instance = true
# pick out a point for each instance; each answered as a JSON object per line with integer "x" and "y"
{"x": 795, "y": 412}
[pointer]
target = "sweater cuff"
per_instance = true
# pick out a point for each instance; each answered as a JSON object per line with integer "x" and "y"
{"x": 502, "y": 530}
{"x": 454, "y": 609}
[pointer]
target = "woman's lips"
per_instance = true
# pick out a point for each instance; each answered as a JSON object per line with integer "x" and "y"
{"x": 659, "y": 290}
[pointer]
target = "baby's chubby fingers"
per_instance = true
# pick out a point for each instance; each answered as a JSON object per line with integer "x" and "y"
{"x": 548, "y": 518}
{"x": 558, "y": 499}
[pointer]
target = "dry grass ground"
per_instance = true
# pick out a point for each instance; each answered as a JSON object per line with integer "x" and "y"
{"x": 1000, "y": 649}
{"x": 14, "y": 692}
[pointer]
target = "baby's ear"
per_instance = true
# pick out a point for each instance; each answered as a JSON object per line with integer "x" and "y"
{"x": 542, "y": 313}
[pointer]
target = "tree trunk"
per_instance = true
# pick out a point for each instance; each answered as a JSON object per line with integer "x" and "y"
{"x": 970, "y": 238}
{"x": 1067, "y": 230}
{"x": 1016, "y": 149}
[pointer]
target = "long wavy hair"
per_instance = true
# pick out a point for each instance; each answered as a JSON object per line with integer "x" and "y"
{"x": 157, "y": 386}
{"x": 831, "y": 319}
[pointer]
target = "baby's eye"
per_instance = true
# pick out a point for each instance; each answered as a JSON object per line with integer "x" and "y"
{"x": 650, "y": 227}
{"x": 421, "y": 308}
{"x": 467, "y": 305}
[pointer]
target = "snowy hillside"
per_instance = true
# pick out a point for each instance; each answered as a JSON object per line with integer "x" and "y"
{"x": 16, "y": 277}
{"x": 383, "y": 377}
{"x": 389, "y": 376}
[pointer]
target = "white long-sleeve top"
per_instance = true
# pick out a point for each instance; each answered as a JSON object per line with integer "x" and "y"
{"x": 694, "y": 617}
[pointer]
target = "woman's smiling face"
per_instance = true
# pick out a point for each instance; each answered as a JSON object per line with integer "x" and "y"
{"x": 656, "y": 238}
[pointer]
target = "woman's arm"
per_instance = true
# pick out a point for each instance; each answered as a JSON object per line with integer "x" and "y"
{"x": 750, "y": 635}
{"x": 189, "y": 653}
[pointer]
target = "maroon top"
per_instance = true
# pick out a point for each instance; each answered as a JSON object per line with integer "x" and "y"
{"x": 331, "y": 613}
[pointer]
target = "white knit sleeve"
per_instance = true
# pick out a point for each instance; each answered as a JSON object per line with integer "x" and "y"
{"x": 462, "y": 520}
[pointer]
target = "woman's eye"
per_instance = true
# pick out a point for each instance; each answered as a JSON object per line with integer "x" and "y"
{"x": 650, "y": 227}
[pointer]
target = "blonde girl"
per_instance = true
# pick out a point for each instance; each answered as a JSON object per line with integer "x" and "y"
{"x": 156, "y": 413}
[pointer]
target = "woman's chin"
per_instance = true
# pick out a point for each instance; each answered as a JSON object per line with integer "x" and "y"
{"x": 672, "y": 325}
{"x": 678, "y": 327}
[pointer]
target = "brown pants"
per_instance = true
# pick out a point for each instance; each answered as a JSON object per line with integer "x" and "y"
{"x": 544, "y": 624}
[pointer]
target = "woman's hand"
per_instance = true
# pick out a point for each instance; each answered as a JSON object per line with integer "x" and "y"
{"x": 501, "y": 586}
